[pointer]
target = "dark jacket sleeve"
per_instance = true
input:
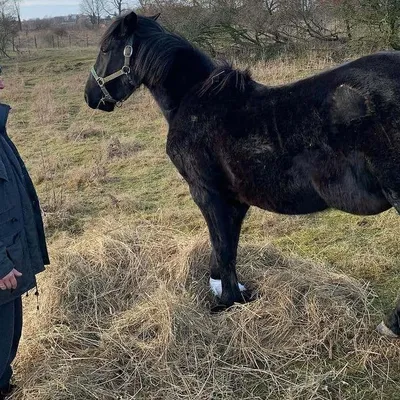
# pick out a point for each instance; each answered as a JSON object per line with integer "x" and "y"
{"x": 4, "y": 110}
{"x": 6, "y": 265}
{"x": 35, "y": 202}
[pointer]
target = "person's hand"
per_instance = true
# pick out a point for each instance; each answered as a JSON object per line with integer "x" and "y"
{"x": 10, "y": 281}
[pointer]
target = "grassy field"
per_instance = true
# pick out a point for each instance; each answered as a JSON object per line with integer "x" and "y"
{"x": 124, "y": 306}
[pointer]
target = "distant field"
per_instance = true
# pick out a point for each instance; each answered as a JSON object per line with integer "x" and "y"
{"x": 124, "y": 307}
{"x": 57, "y": 36}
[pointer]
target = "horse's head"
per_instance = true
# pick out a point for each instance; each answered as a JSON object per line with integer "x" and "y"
{"x": 113, "y": 78}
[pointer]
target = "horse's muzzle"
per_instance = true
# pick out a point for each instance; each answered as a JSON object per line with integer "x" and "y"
{"x": 106, "y": 106}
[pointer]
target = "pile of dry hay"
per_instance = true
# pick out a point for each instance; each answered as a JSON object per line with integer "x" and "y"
{"x": 125, "y": 314}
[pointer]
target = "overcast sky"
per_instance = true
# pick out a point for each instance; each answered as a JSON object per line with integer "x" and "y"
{"x": 49, "y": 8}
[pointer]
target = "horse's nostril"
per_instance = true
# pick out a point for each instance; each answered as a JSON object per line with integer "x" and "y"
{"x": 86, "y": 98}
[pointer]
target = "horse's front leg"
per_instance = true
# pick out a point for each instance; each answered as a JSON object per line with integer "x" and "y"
{"x": 224, "y": 219}
{"x": 215, "y": 277}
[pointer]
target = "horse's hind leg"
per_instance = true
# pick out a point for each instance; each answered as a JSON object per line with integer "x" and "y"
{"x": 224, "y": 219}
{"x": 388, "y": 174}
{"x": 391, "y": 324}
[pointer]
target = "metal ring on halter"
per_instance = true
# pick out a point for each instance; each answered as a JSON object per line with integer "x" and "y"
{"x": 126, "y": 70}
{"x": 100, "y": 82}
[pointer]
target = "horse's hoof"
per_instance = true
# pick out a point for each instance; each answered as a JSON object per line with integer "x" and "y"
{"x": 382, "y": 329}
{"x": 248, "y": 296}
{"x": 218, "y": 309}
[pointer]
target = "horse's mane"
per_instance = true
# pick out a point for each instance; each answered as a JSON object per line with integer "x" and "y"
{"x": 156, "y": 52}
{"x": 223, "y": 77}
{"x": 157, "y": 47}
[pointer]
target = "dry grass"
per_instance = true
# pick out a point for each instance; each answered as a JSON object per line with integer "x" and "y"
{"x": 116, "y": 148}
{"x": 124, "y": 306}
{"x": 125, "y": 314}
{"x": 284, "y": 70}
{"x": 44, "y": 106}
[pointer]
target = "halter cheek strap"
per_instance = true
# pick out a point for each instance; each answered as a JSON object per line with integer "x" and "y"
{"x": 125, "y": 70}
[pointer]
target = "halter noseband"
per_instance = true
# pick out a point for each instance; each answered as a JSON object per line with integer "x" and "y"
{"x": 125, "y": 70}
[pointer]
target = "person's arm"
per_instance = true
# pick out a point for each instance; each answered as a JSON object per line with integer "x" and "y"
{"x": 8, "y": 273}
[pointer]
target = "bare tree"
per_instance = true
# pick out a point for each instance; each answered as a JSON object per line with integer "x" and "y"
{"x": 8, "y": 26}
{"x": 16, "y": 4}
{"x": 266, "y": 28}
{"x": 93, "y": 9}
{"x": 115, "y": 7}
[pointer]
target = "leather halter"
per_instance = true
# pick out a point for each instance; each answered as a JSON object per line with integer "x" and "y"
{"x": 125, "y": 70}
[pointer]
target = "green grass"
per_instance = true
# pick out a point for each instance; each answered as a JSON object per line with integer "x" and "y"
{"x": 66, "y": 148}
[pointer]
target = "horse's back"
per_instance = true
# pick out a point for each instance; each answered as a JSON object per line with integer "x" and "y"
{"x": 299, "y": 148}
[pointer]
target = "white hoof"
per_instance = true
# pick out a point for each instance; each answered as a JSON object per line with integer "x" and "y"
{"x": 385, "y": 331}
{"x": 216, "y": 287}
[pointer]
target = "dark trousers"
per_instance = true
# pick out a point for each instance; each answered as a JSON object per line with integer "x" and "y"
{"x": 10, "y": 334}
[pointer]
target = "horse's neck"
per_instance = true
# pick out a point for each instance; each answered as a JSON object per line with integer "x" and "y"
{"x": 189, "y": 69}
{"x": 165, "y": 101}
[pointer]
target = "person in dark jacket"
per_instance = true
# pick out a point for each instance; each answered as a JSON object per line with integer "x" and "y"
{"x": 23, "y": 251}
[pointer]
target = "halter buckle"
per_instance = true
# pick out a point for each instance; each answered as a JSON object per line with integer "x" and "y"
{"x": 128, "y": 51}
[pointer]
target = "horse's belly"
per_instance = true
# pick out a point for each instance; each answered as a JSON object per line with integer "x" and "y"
{"x": 348, "y": 185}
{"x": 353, "y": 198}
{"x": 284, "y": 192}
{"x": 294, "y": 203}
{"x": 310, "y": 185}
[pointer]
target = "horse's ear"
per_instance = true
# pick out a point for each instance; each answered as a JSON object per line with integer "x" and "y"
{"x": 155, "y": 17}
{"x": 130, "y": 22}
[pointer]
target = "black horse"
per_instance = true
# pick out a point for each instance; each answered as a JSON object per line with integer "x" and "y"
{"x": 329, "y": 141}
